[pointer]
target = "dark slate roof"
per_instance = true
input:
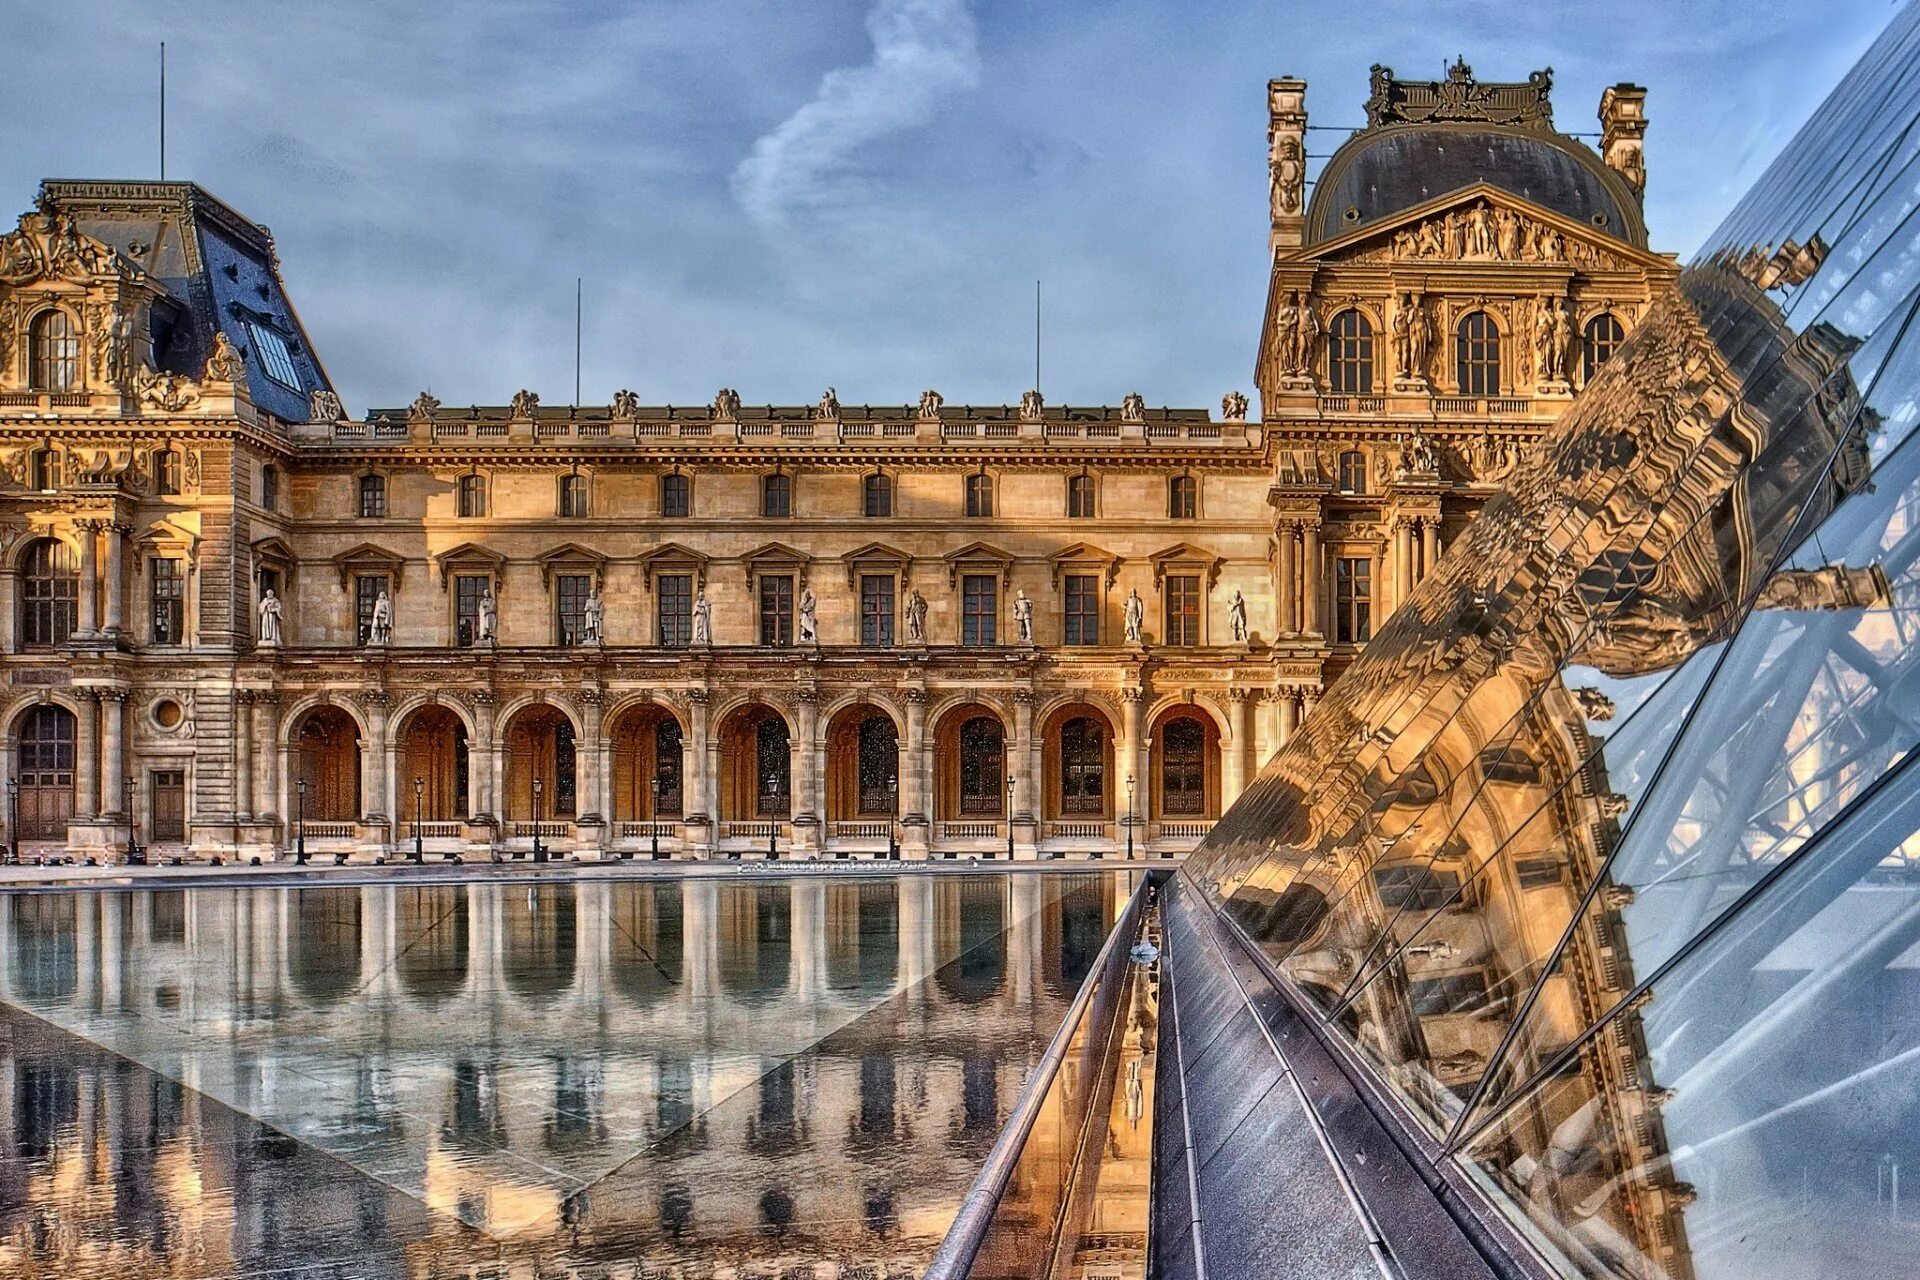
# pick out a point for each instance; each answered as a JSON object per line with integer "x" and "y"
{"x": 1382, "y": 171}
{"x": 216, "y": 266}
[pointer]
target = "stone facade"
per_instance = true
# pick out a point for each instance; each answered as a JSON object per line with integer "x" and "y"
{"x": 719, "y": 628}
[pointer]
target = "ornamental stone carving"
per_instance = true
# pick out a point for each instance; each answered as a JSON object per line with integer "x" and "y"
{"x": 525, "y": 403}
{"x": 1287, "y": 174}
{"x": 424, "y": 409}
{"x": 828, "y": 410}
{"x": 1133, "y": 408}
{"x": 1594, "y": 705}
{"x": 626, "y": 405}
{"x": 1233, "y": 407}
{"x": 1418, "y": 458}
{"x": 226, "y": 364}
{"x": 1483, "y": 232}
{"x": 324, "y": 406}
{"x": 1032, "y": 405}
{"x": 1460, "y": 98}
{"x": 726, "y": 405}
{"x": 1296, "y": 332}
{"x": 930, "y": 402}
{"x": 166, "y": 392}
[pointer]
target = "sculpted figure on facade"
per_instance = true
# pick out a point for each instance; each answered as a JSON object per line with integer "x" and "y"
{"x": 828, "y": 410}
{"x": 269, "y": 618}
{"x": 930, "y": 402}
{"x": 1306, "y": 339}
{"x": 1402, "y": 330}
{"x": 1288, "y": 171}
{"x": 1023, "y": 616}
{"x": 380, "y": 628}
{"x": 525, "y": 404}
{"x": 1032, "y": 405}
{"x": 167, "y": 392}
{"x": 626, "y": 405}
{"x": 1133, "y": 408}
{"x": 1237, "y": 617}
{"x": 1135, "y": 616}
{"x": 424, "y": 408}
{"x": 226, "y": 364}
{"x": 808, "y": 617}
{"x": 1418, "y": 457}
{"x": 593, "y": 620}
{"x": 1419, "y": 336}
{"x": 1594, "y": 705}
{"x": 1480, "y": 240}
{"x": 702, "y": 619}
{"x": 1233, "y": 407}
{"x": 1286, "y": 327}
{"x": 916, "y": 617}
{"x": 726, "y": 405}
{"x": 489, "y": 617}
{"x": 1549, "y": 346}
{"x": 324, "y": 406}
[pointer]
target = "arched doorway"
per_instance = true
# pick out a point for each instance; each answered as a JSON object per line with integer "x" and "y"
{"x": 1079, "y": 774}
{"x": 327, "y": 743}
{"x": 970, "y": 764}
{"x": 434, "y": 751}
{"x": 44, "y": 751}
{"x": 1185, "y": 764}
{"x": 755, "y": 765}
{"x": 648, "y": 761}
{"x": 540, "y": 745}
{"x": 863, "y": 765}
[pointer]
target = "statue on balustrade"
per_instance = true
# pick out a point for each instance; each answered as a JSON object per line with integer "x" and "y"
{"x": 489, "y": 617}
{"x": 916, "y": 617}
{"x": 808, "y": 620}
{"x": 1237, "y": 617}
{"x": 1023, "y": 616}
{"x": 381, "y": 629}
{"x": 269, "y": 618}
{"x": 702, "y": 619}
{"x": 1136, "y": 617}
{"x": 593, "y": 620}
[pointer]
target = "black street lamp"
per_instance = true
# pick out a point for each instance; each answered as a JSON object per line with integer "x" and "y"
{"x": 1129, "y": 817}
{"x": 136, "y": 857}
{"x": 300, "y": 823}
{"x": 13, "y": 821}
{"x": 893, "y": 840}
{"x": 773, "y": 842}
{"x": 539, "y": 852}
{"x": 419, "y": 797}
{"x": 1009, "y": 817}
{"x": 653, "y": 818}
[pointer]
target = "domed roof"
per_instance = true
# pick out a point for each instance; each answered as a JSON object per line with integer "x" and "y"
{"x": 1382, "y": 171}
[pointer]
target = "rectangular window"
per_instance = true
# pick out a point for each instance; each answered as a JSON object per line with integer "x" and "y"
{"x": 1449, "y": 993}
{"x": 876, "y": 610}
{"x": 373, "y": 497}
{"x": 1352, "y": 600}
{"x": 979, "y": 610}
{"x": 1080, "y": 497}
{"x": 676, "y": 496}
{"x": 570, "y": 604}
{"x": 776, "y": 609}
{"x": 169, "y": 600}
{"x": 366, "y": 590}
{"x": 1083, "y": 608}
{"x": 275, "y": 357}
{"x": 166, "y": 472}
{"x": 270, "y": 487}
{"x": 1183, "y": 498}
{"x": 676, "y": 610}
{"x": 573, "y": 497}
{"x": 467, "y": 590}
{"x": 776, "y": 497}
{"x": 980, "y": 495}
{"x": 1415, "y": 886}
{"x": 1183, "y": 610}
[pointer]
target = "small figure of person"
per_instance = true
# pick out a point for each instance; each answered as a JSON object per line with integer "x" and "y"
{"x": 1136, "y": 616}
{"x": 702, "y": 619}
{"x": 1237, "y": 617}
{"x": 1023, "y": 616}
{"x": 381, "y": 630}
{"x": 809, "y": 624}
{"x": 593, "y": 619}
{"x": 269, "y": 618}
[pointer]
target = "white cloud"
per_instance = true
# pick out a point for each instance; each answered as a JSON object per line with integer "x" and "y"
{"x": 923, "y": 50}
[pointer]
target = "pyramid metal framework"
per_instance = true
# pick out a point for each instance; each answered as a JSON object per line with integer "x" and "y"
{"x": 1604, "y": 860}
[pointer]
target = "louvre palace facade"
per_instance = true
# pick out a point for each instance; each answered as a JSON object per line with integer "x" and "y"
{"x": 235, "y": 613}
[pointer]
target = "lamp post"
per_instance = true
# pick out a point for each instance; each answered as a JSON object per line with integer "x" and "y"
{"x": 1129, "y": 817}
{"x": 539, "y": 852}
{"x": 419, "y": 796}
{"x": 653, "y": 818}
{"x": 13, "y": 821}
{"x": 136, "y": 857}
{"x": 1009, "y": 817}
{"x": 300, "y": 823}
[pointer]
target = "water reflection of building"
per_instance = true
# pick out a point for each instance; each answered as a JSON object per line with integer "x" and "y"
{"x": 674, "y": 1070}
{"x": 1599, "y": 859}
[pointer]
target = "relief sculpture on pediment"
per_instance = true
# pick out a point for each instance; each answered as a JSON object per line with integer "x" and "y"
{"x": 1485, "y": 232}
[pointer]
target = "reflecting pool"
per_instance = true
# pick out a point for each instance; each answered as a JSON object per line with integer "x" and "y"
{"x": 691, "y": 1077}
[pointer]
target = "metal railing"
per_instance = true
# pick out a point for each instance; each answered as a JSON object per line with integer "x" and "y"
{"x": 1015, "y": 1217}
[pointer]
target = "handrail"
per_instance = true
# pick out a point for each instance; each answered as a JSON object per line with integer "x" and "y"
{"x": 957, "y": 1253}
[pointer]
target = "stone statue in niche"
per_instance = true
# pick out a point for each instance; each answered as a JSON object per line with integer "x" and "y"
{"x": 269, "y": 619}
{"x": 1402, "y": 329}
{"x": 380, "y": 629}
{"x": 593, "y": 620}
{"x": 1135, "y": 617}
{"x": 916, "y": 617}
{"x": 1233, "y": 407}
{"x": 1237, "y": 617}
{"x": 807, "y": 618}
{"x": 702, "y": 619}
{"x": 1419, "y": 337}
{"x": 489, "y": 617}
{"x": 930, "y": 402}
{"x": 1023, "y": 616}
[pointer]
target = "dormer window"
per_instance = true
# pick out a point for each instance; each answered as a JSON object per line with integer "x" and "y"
{"x": 54, "y": 341}
{"x": 274, "y": 357}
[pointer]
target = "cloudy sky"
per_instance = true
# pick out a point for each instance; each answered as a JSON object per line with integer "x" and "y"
{"x": 777, "y": 195}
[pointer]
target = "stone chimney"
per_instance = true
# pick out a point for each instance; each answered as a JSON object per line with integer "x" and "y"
{"x": 1287, "y": 162}
{"x": 1623, "y": 130}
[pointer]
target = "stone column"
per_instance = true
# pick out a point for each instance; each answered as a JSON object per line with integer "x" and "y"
{"x": 266, "y": 758}
{"x": 242, "y": 780}
{"x": 1133, "y": 764}
{"x": 1027, "y": 800}
{"x": 1429, "y": 544}
{"x": 1309, "y": 698}
{"x": 87, "y": 623}
{"x": 916, "y": 808}
{"x": 1402, "y": 559}
{"x": 378, "y": 810}
{"x": 481, "y": 757}
{"x": 1244, "y": 760}
{"x": 86, "y": 757}
{"x": 1312, "y": 612}
{"x": 1287, "y": 623}
{"x": 586, "y": 768}
{"x": 117, "y": 578}
{"x": 113, "y": 750}
{"x": 700, "y": 771}
{"x": 1289, "y": 714}
{"x": 806, "y": 783}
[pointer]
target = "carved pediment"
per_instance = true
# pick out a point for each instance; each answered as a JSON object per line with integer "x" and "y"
{"x": 670, "y": 556}
{"x": 571, "y": 555}
{"x": 875, "y": 556}
{"x": 776, "y": 557}
{"x": 369, "y": 558}
{"x": 470, "y": 555}
{"x": 1085, "y": 554}
{"x": 1482, "y": 223}
{"x": 979, "y": 554}
{"x": 166, "y": 535}
{"x": 1185, "y": 555}
{"x": 48, "y": 246}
